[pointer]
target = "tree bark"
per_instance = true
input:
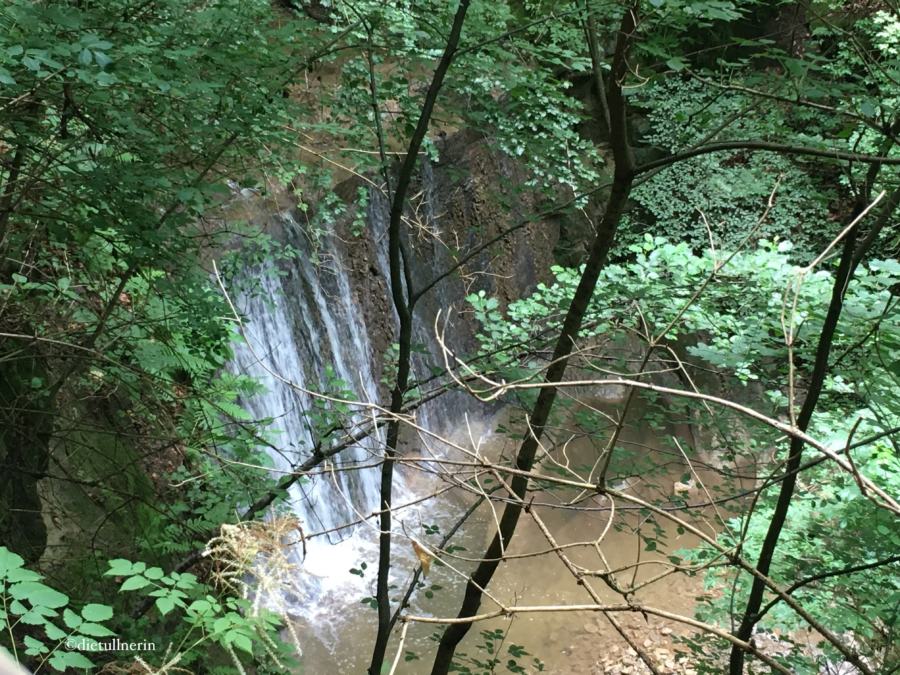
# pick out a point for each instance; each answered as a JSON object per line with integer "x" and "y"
{"x": 403, "y": 305}
{"x": 606, "y": 231}
{"x": 851, "y": 256}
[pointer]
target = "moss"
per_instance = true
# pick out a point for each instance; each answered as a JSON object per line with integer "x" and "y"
{"x": 24, "y": 438}
{"x": 96, "y": 502}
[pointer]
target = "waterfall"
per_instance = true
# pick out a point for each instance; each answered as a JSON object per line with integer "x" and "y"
{"x": 303, "y": 330}
{"x": 309, "y": 324}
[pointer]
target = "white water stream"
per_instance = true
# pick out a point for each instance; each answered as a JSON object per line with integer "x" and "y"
{"x": 304, "y": 328}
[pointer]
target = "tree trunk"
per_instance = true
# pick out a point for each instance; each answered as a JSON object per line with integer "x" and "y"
{"x": 606, "y": 231}
{"x": 851, "y": 256}
{"x": 403, "y": 305}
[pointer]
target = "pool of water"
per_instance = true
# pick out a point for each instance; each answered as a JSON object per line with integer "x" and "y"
{"x": 338, "y": 630}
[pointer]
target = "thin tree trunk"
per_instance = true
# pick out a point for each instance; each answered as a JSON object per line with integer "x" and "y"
{"x": 851, "y": 256}
{"x": 403, "y": 305}
{"x": 596, "y": 57}
{"x": 621, "y": 188}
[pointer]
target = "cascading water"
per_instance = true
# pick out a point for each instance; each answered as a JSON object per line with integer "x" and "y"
{"x": 303, "y": 331}
{"x": 305, "y": 327}
{"x": 311, "y": 324}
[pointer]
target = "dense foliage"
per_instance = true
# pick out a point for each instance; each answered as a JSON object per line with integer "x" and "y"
{"x": 717, "y": 165}
{"x": 736, "y": 326}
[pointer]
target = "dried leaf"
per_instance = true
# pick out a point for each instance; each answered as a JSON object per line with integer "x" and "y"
{"x": 423, "y": 556}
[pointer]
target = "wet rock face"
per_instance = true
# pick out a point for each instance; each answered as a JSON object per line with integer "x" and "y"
{"x": 478, "y": 194}
{"x": 470, "y": 196}
{"x": 371, "y": 290}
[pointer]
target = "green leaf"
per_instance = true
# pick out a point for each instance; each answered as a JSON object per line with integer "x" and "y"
{"x": 676, "y": 64}
{"x": 102, "y": 59}
{"x": 22, "y": 574}
{"x": 119, "y": 568}
{"x": 186, "y": 581}
{"x": 34, "y": 647}
{"x": 95, "y": 630}
{"x": 38, "y": 594}
{"x": 154, "y": 573}
{"x": 134, "y": 583}
{"x": 97, "y": 43}
{"x": 65, "y": 660}
{"x": 96, "y": 612}
{"x": 240, "y": 641}
{"x": 222, "y": 624}
{"x": 44, "y": 611}
{"x": 54, "y": 632}
{"x": 9, "y": 561}
{"x": 71, "y": 619}
{"x": 165, "y": 605}
{"x": 33, "y": 618}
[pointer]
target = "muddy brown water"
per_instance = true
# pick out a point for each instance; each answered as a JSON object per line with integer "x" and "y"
{"x": 564, "y": 641}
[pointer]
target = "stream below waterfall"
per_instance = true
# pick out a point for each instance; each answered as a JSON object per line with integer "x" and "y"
{"x": 338, "y": 632}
